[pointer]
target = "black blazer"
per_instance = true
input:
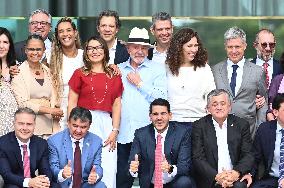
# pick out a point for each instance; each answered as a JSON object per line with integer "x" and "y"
{"x": 11, "y": 159}
{"x": 205, "y": 149}
{"x": 277, "y": 69}
{"x": 177, "y": 149}
{"x": 121, "y": 53}
{"x": 263, "y": 146}
{"x": 20, "y": 51}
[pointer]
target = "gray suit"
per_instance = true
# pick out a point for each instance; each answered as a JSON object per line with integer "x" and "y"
{"x": 253, "y": 83}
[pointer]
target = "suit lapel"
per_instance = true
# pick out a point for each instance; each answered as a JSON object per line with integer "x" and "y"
{"x": 169, "y": 140}
{"x": 16, "y": 149}
{"x": 246, "y": 76}
{"x": 271, "y": 141}
{"x": 67, "y": 144}
{"x": 151, "y": 146}
{"x": 86, "y": 150}
{"x": 33, "y": 155}
{"x": 230, "y": 137}
{"x": 224, "y": 75}
{"x": 212, "y": 139}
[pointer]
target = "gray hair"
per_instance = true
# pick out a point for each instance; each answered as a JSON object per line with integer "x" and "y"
{"x": 217, "y": 92}
{"x": 233, "y": 33}
{"x": 265, "y": 30}
{"x": 37, "y": 11}
{"x": 25, "y": 110}
{"x": 160, "y": 16}
{"x": 81, "y": 113}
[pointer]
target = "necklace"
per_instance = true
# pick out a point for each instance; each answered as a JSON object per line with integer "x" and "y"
{"x": 93, "y": 92}
{"x": 35, "y": 69}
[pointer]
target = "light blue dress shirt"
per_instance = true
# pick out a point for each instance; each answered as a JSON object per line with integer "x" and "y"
{"x": 136, "y": 101}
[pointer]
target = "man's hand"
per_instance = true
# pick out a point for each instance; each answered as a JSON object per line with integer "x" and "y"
{"x": 227, "y": 178}
{"x": 116, "y": 70}
{"x": 248, "y": 178}
{"x": 134, "y": 164}
{"x": 92, "y": 179}
{"x": 165, "y": 165}
{"x": 281, "y": 183}
{"x": 67, "y": 171}
{"x": 134, "y": 78}
{"x": 14, "y": 70}
{"x": 259, "y": 101}
{"x": 39, "y": 181}
{"x": 270, "y": 116}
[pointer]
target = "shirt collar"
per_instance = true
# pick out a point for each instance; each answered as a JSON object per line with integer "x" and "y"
{"x": 74, "y": 140}
{"x": 279, "y": 128}
{"x": 163, "y": 134}
{"x": 155, "y": 51}
{"x": 217, "y": 124}
{"x": 22, "y": 143}
{"x": 114, "y": 45}
{"x": 145, "y": 63}
{"x": 240, "y": 63}
{"x": 270, "y": 62}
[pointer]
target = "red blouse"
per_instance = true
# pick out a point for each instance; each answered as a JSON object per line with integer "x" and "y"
{"x": 96, "y": 90}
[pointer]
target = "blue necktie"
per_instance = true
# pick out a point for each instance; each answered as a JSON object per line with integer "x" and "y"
{"x": 233, "y": 78}
{"x": 281, "y": 165}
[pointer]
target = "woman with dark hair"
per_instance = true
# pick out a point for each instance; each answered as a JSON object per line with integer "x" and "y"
{"x": 33, "y": 88}
{"x": 95, "y": 87}
{"x": 8, "y": 104}
{"x": 189, "y": 76}
{"x": 66, "y": 56}
{"x": 7, "y": 53}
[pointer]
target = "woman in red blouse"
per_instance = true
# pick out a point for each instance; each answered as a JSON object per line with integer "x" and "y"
{"x": 95, "y": 87}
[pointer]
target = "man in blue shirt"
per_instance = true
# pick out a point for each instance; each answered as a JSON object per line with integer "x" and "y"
{"x": 143, "y": 82}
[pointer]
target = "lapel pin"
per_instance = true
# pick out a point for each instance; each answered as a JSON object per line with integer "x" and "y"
{"x": 232, "y": 125}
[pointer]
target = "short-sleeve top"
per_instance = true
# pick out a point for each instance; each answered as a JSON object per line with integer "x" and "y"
{"x": 97, "y": 91}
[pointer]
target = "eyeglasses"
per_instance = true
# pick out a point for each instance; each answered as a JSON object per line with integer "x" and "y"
{"x": 42, "y": 23}
{"x": 34, "y": 49}
{"x": 93, "y": 48}
{"x": 270, "y": 44}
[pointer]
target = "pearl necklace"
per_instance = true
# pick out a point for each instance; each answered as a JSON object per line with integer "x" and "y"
{"x": 105, "y": 92}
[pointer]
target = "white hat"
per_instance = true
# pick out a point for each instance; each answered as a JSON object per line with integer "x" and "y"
{"x": 139, "y": 36}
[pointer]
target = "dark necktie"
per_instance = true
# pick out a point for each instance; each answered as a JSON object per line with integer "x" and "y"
{"x": 265, "y": 68}
{"x": 77, "y": 175}
{"x": 158, "y": 181}
{"x": 234, "y": 78}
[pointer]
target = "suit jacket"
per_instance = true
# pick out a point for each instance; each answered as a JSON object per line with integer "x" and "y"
{"x": 11, "y": 159}
{"x": 60, "y": 151}
{"x": 263, "y": 146}
{"x": 20, "y": 51}
{"x": 253, "y": 83}
{"x": 177, "y": 150}
{"x": 121, "y": 53}
{"x": 205, "y": 148}
{"x": 277, "y": 69}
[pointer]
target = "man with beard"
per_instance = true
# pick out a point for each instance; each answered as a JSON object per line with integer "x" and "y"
{"x": 162, "y": 29}
{"x": 264, "y": 45}
{"x": 39, "y": 23}
{"x": 143, "y": 81}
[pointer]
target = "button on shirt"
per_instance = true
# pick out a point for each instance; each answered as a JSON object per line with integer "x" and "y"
{"x": 239, "y": 73}
{"x": 112, "y": 51}
{"x": 224, "y": 159}
{"x": 136, "y": 101}
{"x": 26, "y": 180}
{"x": 274, "y": 171}
{"x": 260, "y": 62}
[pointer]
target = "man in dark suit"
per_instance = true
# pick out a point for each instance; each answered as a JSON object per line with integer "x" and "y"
{"x": 63, "y": 159}
{"x": 243, "y": 80}
{"x": 39, "y": 23}
{"x": 221, "y": 146}
{"x": 22, "y": 153}
{"x": 172, "y": 168}
{"x": 108, "y": 25}
{"x": 266, "y": 147}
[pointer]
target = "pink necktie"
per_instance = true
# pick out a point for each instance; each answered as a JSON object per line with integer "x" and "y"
{"x": 265, "y": 67}
{"x": 158, "y": 181}
{"x": 27, "y": 173}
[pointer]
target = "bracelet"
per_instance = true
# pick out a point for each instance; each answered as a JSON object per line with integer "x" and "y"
{"x": 139, "y": 85}
{"x": 115, "y": 129}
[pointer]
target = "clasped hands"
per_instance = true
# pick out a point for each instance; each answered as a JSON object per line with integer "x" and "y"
{"x": 226, "y": 178}
{"x": 39, "y": 181}
{"x": 134, "y": 165}
{"x": 68, "y": 172}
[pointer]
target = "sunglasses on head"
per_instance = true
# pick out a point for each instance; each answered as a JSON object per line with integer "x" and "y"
{"x": 270, "y": 44}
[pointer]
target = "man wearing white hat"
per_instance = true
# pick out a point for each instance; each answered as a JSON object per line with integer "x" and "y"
{"x": 143, "y": 82}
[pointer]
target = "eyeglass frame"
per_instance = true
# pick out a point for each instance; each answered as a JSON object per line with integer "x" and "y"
{"x": 99, "y": 48}
{"x": 42, "y": 23}
{"x": 265, "y": 44}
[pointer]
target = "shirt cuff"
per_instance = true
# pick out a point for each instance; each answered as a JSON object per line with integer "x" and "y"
{"x": 60, "y": 176}
{"x": 134, "y": 175}
{"x": 26, "y": 182}
{"x": 168, "y": 177}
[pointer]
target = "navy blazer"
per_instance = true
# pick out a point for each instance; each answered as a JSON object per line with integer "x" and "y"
{"x": 177, "y": 150}
{"x": 277, "y": 69}
{"x": 263, "y": 146}
{"x": 205, "y": 148}
{"x": 20, "y": 51}
{"x": 121, "y": 53}
{"x": 11, "y": 163}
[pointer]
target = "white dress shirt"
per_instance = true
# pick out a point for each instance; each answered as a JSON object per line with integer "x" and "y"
{"x": 159, "y": 57}
{"x": 112, "y": 51}
{"x": 240, "y": 70}
{"x": 274, "y": 171}
{"x": 260, "y": 62}
{"x": 26, "y": 180}
{"x": 224, "y": 159}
